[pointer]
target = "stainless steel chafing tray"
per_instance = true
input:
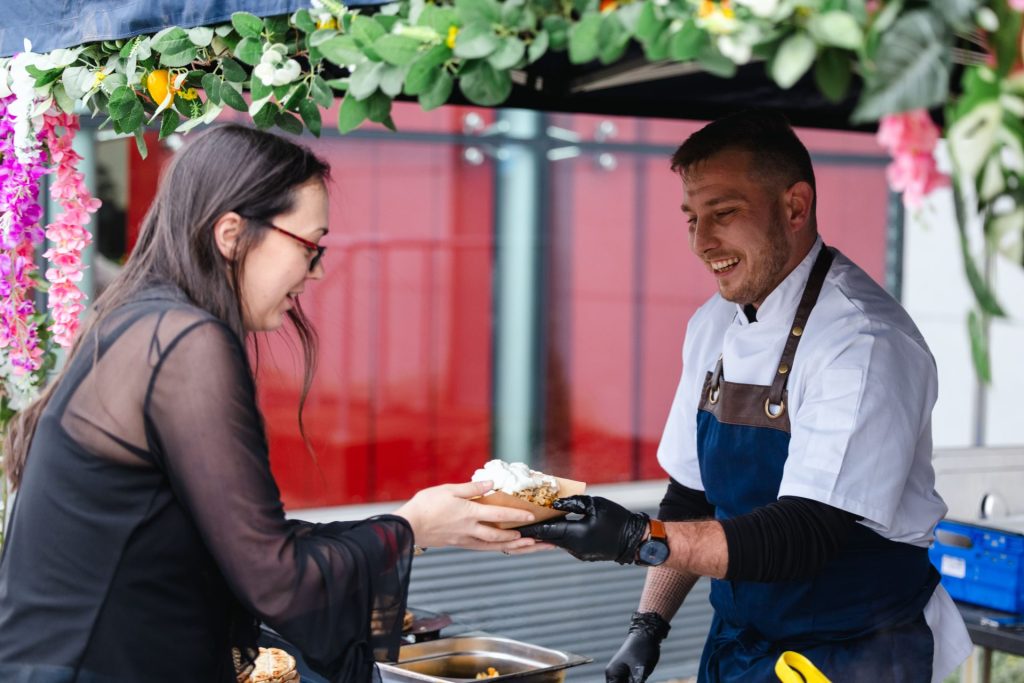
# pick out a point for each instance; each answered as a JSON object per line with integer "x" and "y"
{"x": 463, "y": 657}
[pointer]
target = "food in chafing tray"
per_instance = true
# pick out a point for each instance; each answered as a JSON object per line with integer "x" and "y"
{"x": 517, "y": 486}
{"x": 274, "y": 665}
{"x": 490, "y": 673}
{"x": 516, "y": 479}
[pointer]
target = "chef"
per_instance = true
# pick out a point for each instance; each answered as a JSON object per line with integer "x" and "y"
{"x": 798, "y": 446}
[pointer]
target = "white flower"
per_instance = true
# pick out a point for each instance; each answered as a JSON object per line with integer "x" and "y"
{"x": 287, "y": 73}
{"x": 734, "y": 48}
{"x": 760, "y": 8}
{"x": 265, "y": 72}
{"x": 274, "y": 69}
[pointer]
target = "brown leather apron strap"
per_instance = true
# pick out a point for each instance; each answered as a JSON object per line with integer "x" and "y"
{"x": 803, "y": 312}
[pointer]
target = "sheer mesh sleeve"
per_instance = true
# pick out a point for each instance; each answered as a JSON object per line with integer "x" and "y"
{"x": 321, "y": 586}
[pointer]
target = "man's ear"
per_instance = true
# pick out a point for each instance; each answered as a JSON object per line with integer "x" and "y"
{"x": 226, "y": 232}
{"x": 799, "y": 203}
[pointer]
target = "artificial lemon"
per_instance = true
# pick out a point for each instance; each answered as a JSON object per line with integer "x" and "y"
{"x": 158, "y": 83}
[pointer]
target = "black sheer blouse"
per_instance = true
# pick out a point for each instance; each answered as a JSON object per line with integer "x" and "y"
{"x": 148, "y": 536}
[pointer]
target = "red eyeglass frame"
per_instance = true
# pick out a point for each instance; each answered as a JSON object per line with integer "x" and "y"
{"x": 312, "y": 246}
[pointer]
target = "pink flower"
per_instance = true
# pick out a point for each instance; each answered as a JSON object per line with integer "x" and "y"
{"x": 1017, "y": 5}
{"x": 911, "y": 131}
{"x": 67, "y": 233}
{"x": 910, "y": 138}
{"x": 915, "y": 175}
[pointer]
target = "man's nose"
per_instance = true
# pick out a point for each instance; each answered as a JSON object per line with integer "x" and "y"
{"x": 702, "y": 238}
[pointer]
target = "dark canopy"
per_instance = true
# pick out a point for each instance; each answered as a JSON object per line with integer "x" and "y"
{"x": 632, "y": 87}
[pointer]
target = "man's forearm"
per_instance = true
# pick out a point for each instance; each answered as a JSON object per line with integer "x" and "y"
{"x": 664, "y": 591}
{"x": 697, "y": 548}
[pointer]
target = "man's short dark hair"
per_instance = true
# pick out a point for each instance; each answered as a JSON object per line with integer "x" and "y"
{"x": 777, "y": 153}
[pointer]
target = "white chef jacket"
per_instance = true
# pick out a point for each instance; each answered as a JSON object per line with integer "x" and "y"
{"x": 860, "y": 398}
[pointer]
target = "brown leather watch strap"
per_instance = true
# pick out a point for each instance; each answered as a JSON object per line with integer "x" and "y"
{"x": 658, "y": 529}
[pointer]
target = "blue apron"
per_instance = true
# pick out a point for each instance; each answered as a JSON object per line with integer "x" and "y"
{"x": 859, "y": 619}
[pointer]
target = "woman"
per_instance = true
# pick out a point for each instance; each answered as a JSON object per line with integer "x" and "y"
{"x": 148, "y": 537}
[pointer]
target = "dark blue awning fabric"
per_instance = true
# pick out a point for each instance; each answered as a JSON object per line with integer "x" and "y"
{"x": 51, "y": 25}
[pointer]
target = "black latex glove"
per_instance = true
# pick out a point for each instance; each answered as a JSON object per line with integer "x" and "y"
{"x": 607, "y": 530}
{"x": 640, "y": 652}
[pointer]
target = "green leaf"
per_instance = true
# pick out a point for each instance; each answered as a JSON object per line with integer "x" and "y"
{"x": 438, "y": 18}
{"x": 982, "y": 292}
{"x": 122, "y": 100}
{"x": 714, "y": 62}
{"x": 258, "y": 89}
{"x": 391, "y": 80}
{"x": 1006, "y": 41}
{"x": 378, "y": 107}
{"x": 266, "y": 116}
{"x": 912, "y": 67}
{"x": 558, "y": 31}
{"x": 425, "y": 69}
{"x": 832, "y": 74}
{"x": 43, "y": 77}
{"x": 321, "y": 92}
{"x": 583, "y": 45}
{"x": 438, "y": 93}
{"x": 959, "y": 13}
{"x": 657, "y": 49}
{"x": 793, "y": 59}
{"x": 342, "y": 50}
{"x": 140, "y": 142}
{"x": 483, "y": 11}
{"x": 612, "y": 38}
{"x": 310, "y": 116}
{"x": 366, "y": 29}
{"x": 250, "y": 51}
{"x": 482, "y": 84}
{"x": 476, "y": 41}
{"x": 247, "y": 25}
{"x": 321, "y": 36}
{"x": 365, "y": 80}
{"x": 979, "y": 347}
{"x": 351, "y": 113}
{"x": 172, "y": 41}
{"x": 233, "y": 71}
{"x": 178, "y": 59}
{"x": 538, "y": 47}
{"x": 112, "y": 82}
{"x": 648, "y": 26}
{"x": 212, "y": 87}
{"x": 233, "y": 98}
{"x": 686, "y": 42}
{"x": 169, "y": 121}
{"x": 509, "y": 54}
{"x": 201, "y": 36}
{"x": 396, "y": 49}
{"x": 303, "y": 21}
{"x": 837, "y": 28}
{"x": 288, "y": 122}
{"x": 298, "y": 93}
{"x": 278, "y": 28}
{"x": 66, "y": 104}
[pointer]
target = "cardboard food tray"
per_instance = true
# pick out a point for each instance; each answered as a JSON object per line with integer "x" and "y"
{"x": 566, "y": 488}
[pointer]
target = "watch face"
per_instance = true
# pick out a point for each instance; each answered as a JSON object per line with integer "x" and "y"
{"x": 652, "y": 553}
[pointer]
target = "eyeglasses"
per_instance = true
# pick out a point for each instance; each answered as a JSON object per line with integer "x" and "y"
{"x": 314, "y": 248}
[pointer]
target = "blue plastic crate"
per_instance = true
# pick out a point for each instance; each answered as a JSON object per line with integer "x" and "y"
{"x": 981, "y": 565}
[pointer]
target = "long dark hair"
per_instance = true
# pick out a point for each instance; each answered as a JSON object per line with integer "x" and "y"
{"x": 228, "y": 168}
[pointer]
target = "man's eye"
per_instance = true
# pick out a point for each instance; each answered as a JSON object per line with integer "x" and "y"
{"x": 725, "y": 214}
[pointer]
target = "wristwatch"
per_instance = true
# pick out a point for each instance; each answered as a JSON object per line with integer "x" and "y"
{"x": 653, "y": 551}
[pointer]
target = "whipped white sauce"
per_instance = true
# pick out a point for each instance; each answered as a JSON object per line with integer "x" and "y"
{"x": 511, "y": 477}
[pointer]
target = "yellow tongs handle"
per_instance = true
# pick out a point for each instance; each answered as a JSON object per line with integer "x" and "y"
{"x": 793, "y": 667}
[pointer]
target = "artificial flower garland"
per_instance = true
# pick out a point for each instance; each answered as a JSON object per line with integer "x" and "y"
{"x": 32, "y": 146}
{"x": 67, "y": 234}
{"x": 21, "y": 167}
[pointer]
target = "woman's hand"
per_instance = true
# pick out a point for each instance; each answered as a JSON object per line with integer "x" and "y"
{"x": 445, "y": 516}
